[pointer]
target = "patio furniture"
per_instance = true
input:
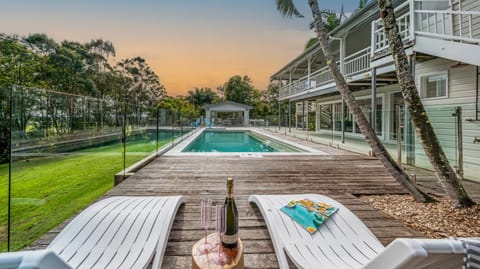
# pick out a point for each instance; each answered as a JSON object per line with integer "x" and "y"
{"x": 117, "y": 232}
{"x": 344, "y": 241}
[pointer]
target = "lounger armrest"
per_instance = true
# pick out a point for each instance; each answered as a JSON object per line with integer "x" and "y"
{"x": 43, "y": 259}
{"x": 403, "y": 251}
{"x": 40, "y": 259}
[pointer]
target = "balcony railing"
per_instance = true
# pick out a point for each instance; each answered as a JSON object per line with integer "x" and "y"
{"x": 358, "y": 62}
{"x": 355, "y": 63}
{"x": 456, "y": 25}
{"x": 450, "y": 23}
{"x": 379, "y": 38}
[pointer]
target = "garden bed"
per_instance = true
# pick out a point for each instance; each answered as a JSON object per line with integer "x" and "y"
{"x": 433, "y": 220}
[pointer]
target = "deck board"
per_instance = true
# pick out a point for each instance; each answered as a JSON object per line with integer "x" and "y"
{"x": 341, "y": 175}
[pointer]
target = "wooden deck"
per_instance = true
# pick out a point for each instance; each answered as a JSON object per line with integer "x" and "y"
{"x": 341, "y": 175}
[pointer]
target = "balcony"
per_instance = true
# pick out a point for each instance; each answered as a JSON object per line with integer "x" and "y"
{"x": 356, "y": 63}
{"x": 453, "y": 25}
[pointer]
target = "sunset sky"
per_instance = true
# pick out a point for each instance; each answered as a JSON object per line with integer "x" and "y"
{"x": 189, "y": 43}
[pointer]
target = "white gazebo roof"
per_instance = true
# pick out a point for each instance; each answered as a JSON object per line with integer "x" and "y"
{"x": 227, "y": 106}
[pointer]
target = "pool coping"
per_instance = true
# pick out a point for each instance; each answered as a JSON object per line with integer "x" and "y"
{"x": 178, "y": 149}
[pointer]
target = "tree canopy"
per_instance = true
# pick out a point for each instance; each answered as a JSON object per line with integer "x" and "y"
{"x": 240, "y": 89}
{"x": 72, "y": 67}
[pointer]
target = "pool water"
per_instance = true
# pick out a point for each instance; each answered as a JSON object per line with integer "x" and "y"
{"x": 236, "y": 141}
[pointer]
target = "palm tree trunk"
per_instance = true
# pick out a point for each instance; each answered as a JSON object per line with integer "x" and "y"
{"x": 372, "y": 139}
{"x": 445, "y": 173}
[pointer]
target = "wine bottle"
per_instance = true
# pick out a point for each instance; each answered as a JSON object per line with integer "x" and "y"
{"x": 230, "y": 238}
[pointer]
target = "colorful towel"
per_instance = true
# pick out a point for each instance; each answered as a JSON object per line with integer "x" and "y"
{"x": 309, "y": 214}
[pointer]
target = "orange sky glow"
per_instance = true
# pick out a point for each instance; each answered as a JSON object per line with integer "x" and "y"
{"x": 188, "y": 43}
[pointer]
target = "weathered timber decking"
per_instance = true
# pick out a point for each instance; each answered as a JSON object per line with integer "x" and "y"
{"x": 340, "y": 175}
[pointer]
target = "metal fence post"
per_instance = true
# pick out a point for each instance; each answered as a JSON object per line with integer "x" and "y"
{"x": 10, "y": 165}
{"x": 459, "y": 136}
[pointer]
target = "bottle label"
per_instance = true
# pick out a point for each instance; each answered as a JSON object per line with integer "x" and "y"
{"x": 230, "y": 239}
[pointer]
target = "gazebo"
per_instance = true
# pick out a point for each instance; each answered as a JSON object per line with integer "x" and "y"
{"x": 227, "y": 113}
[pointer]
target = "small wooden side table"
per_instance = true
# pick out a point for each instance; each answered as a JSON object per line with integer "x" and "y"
{"x": 206, "y": 261}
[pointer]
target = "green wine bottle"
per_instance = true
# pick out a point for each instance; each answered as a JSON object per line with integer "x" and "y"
{"x": 230, "y": 238}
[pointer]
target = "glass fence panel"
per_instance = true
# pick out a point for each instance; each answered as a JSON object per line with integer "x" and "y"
{"x": 4, "y": 164}
{"x": 189, "y": 124}
{"x": 165, "y": 131}
{"x": 177, "y": 127}
{"x": 141, "y": 134}
{"x": 65, "y": 151}
{"x": 445, "y": 124}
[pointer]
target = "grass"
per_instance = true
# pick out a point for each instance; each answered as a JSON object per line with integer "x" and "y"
{"x": 46, "y": 191}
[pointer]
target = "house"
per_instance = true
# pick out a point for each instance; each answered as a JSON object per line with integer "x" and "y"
{"x": 442, "y": 41}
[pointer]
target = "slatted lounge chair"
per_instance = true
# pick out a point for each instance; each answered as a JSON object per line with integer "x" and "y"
{"x": 344, "y": 241}
{"x": 117, "y": 232}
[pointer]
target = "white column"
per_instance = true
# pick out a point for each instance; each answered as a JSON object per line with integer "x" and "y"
{"x": 411, "y": 6}
{"x": 208, "y": 116}
{"x": 306, "y": 116}
{"x": 246, "y": 117}
{"x": 309, "y": 73}
{"x": 342, "y": 54}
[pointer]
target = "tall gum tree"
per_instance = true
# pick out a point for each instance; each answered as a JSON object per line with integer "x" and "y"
{"x": 288, "y": 9}
{"x": 426, "y": 134}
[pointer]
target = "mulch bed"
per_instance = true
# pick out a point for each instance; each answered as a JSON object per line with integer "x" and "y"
{"x": 434, "y": 220}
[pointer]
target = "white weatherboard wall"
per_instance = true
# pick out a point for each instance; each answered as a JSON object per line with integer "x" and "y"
{"x": 461, "y": 92}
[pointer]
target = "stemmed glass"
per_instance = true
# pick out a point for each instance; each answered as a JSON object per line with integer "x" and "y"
{"x": 206, "y": 219}
{"x": 220, "y": 227}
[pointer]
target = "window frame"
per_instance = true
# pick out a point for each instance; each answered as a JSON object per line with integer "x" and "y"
{"x": 423, "y": 85}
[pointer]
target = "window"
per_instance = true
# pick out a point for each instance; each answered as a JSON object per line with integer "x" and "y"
{"x": 434, "y": 86}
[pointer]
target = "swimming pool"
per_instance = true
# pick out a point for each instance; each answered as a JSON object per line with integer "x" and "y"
{"x": 237, "y": 141}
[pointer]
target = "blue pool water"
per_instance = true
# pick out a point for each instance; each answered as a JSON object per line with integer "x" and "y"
{"x": 236, "y": 141}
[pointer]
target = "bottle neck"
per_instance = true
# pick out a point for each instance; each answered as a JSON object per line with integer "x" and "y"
{"x": 230, "y": 192}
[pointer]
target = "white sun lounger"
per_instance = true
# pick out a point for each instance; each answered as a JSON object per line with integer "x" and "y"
{"x": 117, "y": 232}
{"x": 344, "y": 241}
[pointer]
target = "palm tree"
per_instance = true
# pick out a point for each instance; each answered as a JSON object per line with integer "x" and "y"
{"x": 330, "y": 21}
{"x": 426, "y": 133}
{"x": 288, "y": 9}
{"x": 201, "y": 96}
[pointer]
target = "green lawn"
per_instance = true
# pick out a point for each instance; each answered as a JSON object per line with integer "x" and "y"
{"x": 46, "y": 191}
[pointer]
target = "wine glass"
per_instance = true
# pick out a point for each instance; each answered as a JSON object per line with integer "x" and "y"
{"x": 220, "y": 227}
{"x": 206, "y": 219}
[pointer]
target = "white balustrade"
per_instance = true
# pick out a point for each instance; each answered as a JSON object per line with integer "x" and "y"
{"x": 354, "y": 63}
{"x": 456, "y": 25}
{"x": 357, "y": 62}
{"x": 379, "y": 39}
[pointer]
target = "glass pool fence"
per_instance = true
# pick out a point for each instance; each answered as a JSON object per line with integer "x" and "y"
{"x": 60, "y": 152}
